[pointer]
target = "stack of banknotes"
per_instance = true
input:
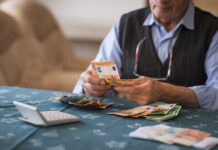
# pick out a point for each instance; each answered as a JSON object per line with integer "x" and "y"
{"x": 173, "y": 135}
{"x": 158, "y": 112}
{"x": 107, "y": 70}
{"x": 83, "y": 101}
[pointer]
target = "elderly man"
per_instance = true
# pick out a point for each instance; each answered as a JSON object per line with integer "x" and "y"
{"x": 172, "y": 47}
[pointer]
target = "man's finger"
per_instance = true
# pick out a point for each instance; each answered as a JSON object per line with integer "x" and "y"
{"x": 136, "y": 89}
{"x": 94, "y": 93}
{"x": 122, "y": 89}
{"x": 137, "y": 99}
{"x": 88, "y": 77}
{"x": 93, "y": 87}
{"x": 141, "y": 80}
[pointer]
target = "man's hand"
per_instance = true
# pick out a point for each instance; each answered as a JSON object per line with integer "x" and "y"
{"x": 93, "y": 86}
{"x": 144, "y": 91}
{"x": 147, "y": 90}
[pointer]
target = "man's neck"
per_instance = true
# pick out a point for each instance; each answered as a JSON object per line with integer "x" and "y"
{"x": 168, "y": 24}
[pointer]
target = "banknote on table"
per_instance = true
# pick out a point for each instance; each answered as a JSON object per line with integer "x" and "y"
{"x": 207, "y": 143}
{"x": 190, "y": 137}
{"x": 165, "y": 108}
{"x": 108, "y": 71}
{"x": 159, "y": 112}
{"x": 172, "y": 135}
{"x": 145, "y": 131}
{"x": 83, "y": 101}
{"x": 173, "y": 112}
{"x": 136, "y": 111}
{"x": 182, "y": 136}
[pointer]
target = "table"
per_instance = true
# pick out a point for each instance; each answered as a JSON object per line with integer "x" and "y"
{"x": 96, "y": 130}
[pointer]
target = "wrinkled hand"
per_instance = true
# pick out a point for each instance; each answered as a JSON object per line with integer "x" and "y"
{"x": 144, "y": 91}
{"x": 93, "y": 86}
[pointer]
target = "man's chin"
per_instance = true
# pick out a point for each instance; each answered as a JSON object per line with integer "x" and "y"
{"x": 163, "y": 19}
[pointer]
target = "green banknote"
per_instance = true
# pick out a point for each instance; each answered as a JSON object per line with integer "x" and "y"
{"x": 165, "y": 108}
{"x": 161, "y": 117}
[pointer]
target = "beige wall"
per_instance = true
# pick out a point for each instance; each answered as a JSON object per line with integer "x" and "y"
{"x": 209, "y": 5}
{"x": 89, "y": 19}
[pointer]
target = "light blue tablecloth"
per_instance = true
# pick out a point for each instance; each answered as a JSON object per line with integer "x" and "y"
{"x": 95, "y": 131}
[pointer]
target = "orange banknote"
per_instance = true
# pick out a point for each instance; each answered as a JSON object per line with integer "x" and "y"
{"x": 105, "y": 69}
{"x": 108, "y": 71}
{"x": 136, "y": 111}
{"x": 119, "y": 82}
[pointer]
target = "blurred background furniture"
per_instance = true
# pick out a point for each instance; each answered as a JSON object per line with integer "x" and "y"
{"x": 85, "y": 23}
{"x": 83, "y": 20}
{"x": 210, "y": 5}
{"x": 35, "y": 53}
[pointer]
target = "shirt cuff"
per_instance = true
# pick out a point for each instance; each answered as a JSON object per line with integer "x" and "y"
{"x": 207, "y": 96}
{"x": 78, "y": 88}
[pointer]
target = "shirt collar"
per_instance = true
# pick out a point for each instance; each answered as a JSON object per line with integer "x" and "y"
{"x": 187, "y": 20}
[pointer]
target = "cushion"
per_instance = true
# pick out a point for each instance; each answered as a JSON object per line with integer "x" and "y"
{"x": 23, "y": 61}
{"x": 9, "y": 31}
{"x": 2, "y": 79}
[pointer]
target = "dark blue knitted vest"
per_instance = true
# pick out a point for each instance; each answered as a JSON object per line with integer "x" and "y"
{"x": 189, "y": 50}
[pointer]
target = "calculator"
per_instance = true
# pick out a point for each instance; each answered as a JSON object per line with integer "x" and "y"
{"x": 32, "y": 115}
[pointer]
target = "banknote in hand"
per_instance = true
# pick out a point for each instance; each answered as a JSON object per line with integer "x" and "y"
{"x": 105, "y": 69}
{"x": 119, "y": 82}
{"x": 108, "y": 71}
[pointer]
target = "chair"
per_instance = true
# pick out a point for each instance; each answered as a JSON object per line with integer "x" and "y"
{"x": 42, "y": 57}
{"x": 8, "y": 31}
